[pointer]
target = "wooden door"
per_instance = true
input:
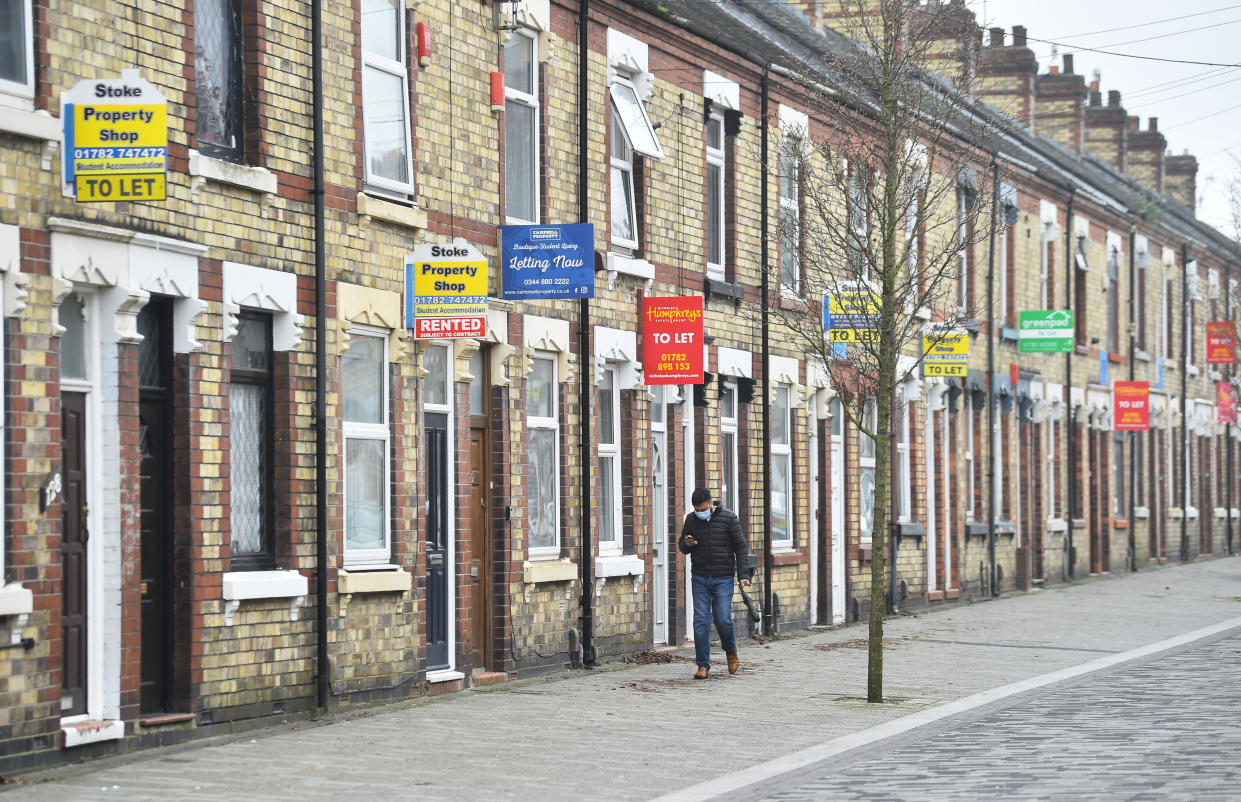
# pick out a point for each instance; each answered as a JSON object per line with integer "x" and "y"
{"x": 438, "y": 512}
{"x": 1206, "y": 512}
{"x": 73, "y": 556}
{"x": 1099, "y": 501}
{"x": 480, "y": 548}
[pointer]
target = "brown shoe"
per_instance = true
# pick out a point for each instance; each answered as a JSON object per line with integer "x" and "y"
{"x": 702, "y": 672}
{"x": 733, "y": 663}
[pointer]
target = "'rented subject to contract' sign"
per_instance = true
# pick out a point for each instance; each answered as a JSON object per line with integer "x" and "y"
{"x": 672, "y": 340}
{"x": 446, "y": 291}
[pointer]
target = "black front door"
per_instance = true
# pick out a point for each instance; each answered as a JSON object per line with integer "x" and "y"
{"x": 438, "y": 512}
{"x": 73, "y": 555}
{"x": 155, "y": 480}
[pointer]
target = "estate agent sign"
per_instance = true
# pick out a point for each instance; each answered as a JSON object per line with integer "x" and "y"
{"x": 446, "y": 291}
{"x": 1131, "y": 401}
{"x": 547, "y": 261}
{"x": 1045, "y": 332}
{"x": 672, "y": 340}
{"x": 116, "y": 140}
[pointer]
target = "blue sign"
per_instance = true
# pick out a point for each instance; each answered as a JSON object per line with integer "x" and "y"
{"x": 547, "y": 261}
{"x": 1103, "y": 367}
{"x": 1158, "y": 373}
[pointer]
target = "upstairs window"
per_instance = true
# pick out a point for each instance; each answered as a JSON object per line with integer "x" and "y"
{"x": 385, "y": 97}
{"x": 715, "y": 196}
{"x": 624, "y": 204}
{"x": 1113, "y": 300}
{"x": 965, "y": 298}
{"x": 859, "y": 223}
{"x": 16, "y": 53}
{"x": 521, "y": 128}
{"x": 790, "y": 214}
{"x": 218, "y": 71}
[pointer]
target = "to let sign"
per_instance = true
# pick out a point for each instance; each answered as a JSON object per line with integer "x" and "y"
{"x": 1131, "y": 402}
{"x": 851, "y": 315}
{"x": 672, "y": 340}
{"x": 446, "y": 291}
{"x": 116, "y": 140}
{"x": 1221, "y": 347}
{"x": 1225, "y": 402}
{"x": 1045, "y": 332}
{"x": 945, "y": 353}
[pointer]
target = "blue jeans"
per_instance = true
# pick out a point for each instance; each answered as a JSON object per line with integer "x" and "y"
{"x": 713, "y": 595}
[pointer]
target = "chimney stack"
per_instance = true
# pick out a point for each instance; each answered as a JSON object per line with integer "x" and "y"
{"x": 1154, "y": 124}
{"x": 1181, "y": 178}
{"x": 1060, "y": 98}
{"x": 1006, "y": 75}
{"x": 1144, "y": 156}
{"x": 1107, "y": 129}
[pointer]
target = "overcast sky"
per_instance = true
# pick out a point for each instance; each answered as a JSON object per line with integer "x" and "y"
{"x": 1180, "y": 95}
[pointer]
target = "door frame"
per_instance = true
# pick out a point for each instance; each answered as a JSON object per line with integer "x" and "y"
{"x": 484, "y": 630}
{"x": 659, "y": 515}
{"x": 839, "y": 515}
{"x": 450, "y": 516}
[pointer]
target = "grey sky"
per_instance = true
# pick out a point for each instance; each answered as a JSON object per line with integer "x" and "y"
{"x": 1145, "y": 90}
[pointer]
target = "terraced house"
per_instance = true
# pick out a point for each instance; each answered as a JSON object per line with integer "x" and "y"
{"x": 239, "y": 485}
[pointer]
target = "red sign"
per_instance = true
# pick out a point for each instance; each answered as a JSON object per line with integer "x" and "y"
{"x": 672, "y": 340}
{"x": 1220, "y": 343}
{"x": 447, "y": 328}
{"x": 1225, "y": 403}
{"x": 1131, "y": 402}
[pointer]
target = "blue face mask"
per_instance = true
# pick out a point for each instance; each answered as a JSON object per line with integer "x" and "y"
{"x": 703, "y": 514}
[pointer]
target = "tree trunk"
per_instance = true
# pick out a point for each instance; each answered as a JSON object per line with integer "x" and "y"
{"x": 879, "y": 529}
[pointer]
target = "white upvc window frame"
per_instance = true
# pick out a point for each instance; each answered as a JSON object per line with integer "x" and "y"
{"x": 784, "y": 451}
{"x": 790, "y": 212}
{"x": 1044, "y": 266}
{"x": 968, "y": 410}
{"x": 515, "y": 96}
{"x": 858, "y": 216}
{"x": 904, "y": 469}
{"x": 1051, "y": 475}
{"x": 398, "y": 68}
{"x": 1118, "y": 475}
{"x": 963, "y": 257}
{"x": 378, "y": 432}
{"x": 730, "y": 486}
{"x": 1165, "y": 309}
{"x": 1002, "y": 268}
{"x": 610, "y": 539}
{"x": 15, "y": 94}
{"x": 551, "y": 424}
{"x": 622, "y": 164}
{"x": 866, "y": 462}
{"x": 716, "y": 158}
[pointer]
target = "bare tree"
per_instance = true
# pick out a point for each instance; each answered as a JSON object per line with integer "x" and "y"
{"x": 880, "y": 211}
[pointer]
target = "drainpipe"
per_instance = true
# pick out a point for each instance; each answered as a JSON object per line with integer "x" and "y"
{"x": 1229, "y": 428}
{"x": 991, "y": 444}
{"x": 1133, "y": 452}
{"x": 321, "y": 562}
{"x": 768, "y": 614}
{"x": 1071, "y": 427}
{"x": 1184, "y": 467}
{"x": 586, "y": 364}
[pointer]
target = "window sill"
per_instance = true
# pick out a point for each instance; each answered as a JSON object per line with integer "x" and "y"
{"x": 81, "y": 733}
{"x": 1221, "y": 513}
{"x": 1005, "y": 528}
{"x": 446, "y": 675}
{"x": 910, "y": 529}
{"x": 239, "y": 586}
{"x": 1176, "y": 513}
{"x": 1141, "y": 512}
{"x": 1191, "y": 513}
{"x": 34, "y": 125}
{"x": 719, "y": 288}
{"x": 1192, "y": 370}
{"x": 618, "y": 264}
{"x": 1120, "y": 523}
{"x": 373, "y": 208}
{"x": 16, "y": 600}
{"x": 204, "y": 168}
{"x": 975, "y": 529}
{"x": 1008, "y": 334}
{"x": 784, "y": 555}
{"x": 1141, "y": 356}
{"x": 538, "y": 572}
{"x": 1057, "y": 525}
{"x": 390, "y": 579}
{"x": 606, "y": 567}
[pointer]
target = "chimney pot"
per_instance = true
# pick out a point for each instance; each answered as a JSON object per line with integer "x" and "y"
{"x": 1068, "y": 63}
{"x": 1154, "y": 124}
{"x": 1019, "y": 36}
{"x": 1113, "y": 97}
{"x": 1053, "y": 70}
{"x": 1094, "y": 86}
{"x": 997, "y": 37}
{"x": 1133, "y": 123}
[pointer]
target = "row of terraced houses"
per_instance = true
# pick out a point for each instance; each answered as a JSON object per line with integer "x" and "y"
{"x": 236, "y": 487}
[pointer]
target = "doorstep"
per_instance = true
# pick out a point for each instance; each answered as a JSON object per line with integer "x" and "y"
{"x": 80, "y": 733}
{"x": 164, "y": 719}
{"x": 481, "y": 678}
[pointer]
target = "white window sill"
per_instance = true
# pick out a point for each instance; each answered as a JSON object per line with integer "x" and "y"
{"x": 616, "y": 264}
{"x": 1191, "y": 513}
{"x": 783, "y": 549}
{"x": 1235, "y": 513}
{"x": 1141, "y": 356}
{"x": 1141, "y": 512}
{"x": 446, "y": 675}
{"x": 33, "y": 125}
{"x": 1176, "y": 513}
{"x": 1057, "y": 525}
{"x": 618, "y": 565}
{"x": 1192, "y": 370}
{"x": 371, "y": 208}
{"x": 16, "y": 600}
{"x": 1221, "y": 513}
{"x": 238, "y": 586}
{"x": 204, "y": 169}
{"x": 80, "y": 733}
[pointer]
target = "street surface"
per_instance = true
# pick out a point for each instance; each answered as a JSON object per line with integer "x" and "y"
{"x": 1055, "y": 694}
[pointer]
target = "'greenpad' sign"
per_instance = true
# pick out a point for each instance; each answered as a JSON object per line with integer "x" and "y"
{"x": 1047, "y": 332}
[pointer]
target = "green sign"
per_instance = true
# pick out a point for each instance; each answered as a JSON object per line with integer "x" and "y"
{"x": 1049, "y": 332}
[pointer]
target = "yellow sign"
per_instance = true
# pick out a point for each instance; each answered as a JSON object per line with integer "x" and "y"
{"x": 449, "y": 278}
{"x": 446, "y": 291}
{"x": 945, "y": 354}
{"x": 120, "y": 126}
{"x": 854, "y": 335}
{"x": 853, "y": 303}
{"x": 113, "y": 187}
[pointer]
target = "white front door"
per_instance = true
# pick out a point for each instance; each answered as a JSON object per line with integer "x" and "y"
{"x": 838, "y": 513}
{"x": 659, "y": 515}
{"x": 815, "y": 556}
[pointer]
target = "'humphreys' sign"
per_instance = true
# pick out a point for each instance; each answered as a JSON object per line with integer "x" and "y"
{"x": 1225, "y": 402}
{"x": 672, "y": 340}
{"x": 547, "y": 261}
{"x": 1131, "y": 406}
{"x": 945, "y": 353}
{"x": 851, "y": 314}
{"x": 116, "y": 140}
{"x": 446, "y": 291}
{"x": 1045, "y": 332}
{"x": 1221, "y": 345}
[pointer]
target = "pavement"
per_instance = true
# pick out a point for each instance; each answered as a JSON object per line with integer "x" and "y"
{"x": 793, "y": 721}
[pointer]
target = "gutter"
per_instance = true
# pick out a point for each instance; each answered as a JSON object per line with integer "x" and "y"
{"x": 768, "y": 613}
{"x": 585, "y": 370}
{"x": 1071, "y": 425}
{"x": 991, "y": 422}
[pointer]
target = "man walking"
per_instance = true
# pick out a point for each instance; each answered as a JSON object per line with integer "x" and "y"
{"x": 712, "y": 536}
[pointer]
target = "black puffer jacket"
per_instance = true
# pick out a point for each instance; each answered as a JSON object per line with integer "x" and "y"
{"x": 721, "y": 549}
